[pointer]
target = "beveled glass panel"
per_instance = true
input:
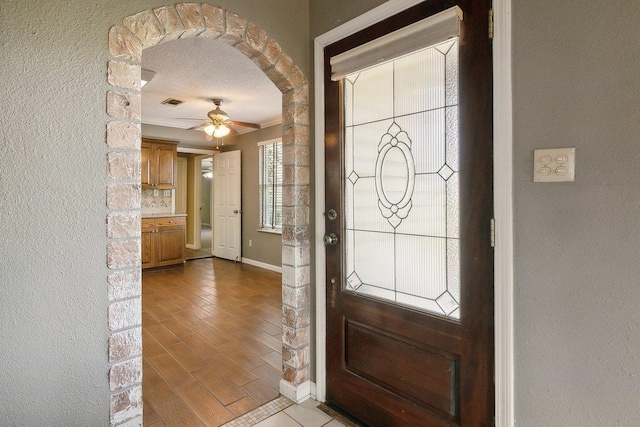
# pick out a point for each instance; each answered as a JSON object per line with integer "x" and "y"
{"x": 373, "y": 259}
{"x": 419, "y": 82}
{"x": 366, "y": 139}
{"x": 373, "y": 94}
{"x": 453, "y": 207}
{"x": 348, "y": 100}
{"x": 395, "y": 175}
{"x": 401, "y": 181}
{"x": 375, "y": 291}
{"x": 452, "y": 75}
{"x": 422, "y": 265}
{"x": 428, "y": 131}
{"x": 452, "y": 137}
{"x": 418, "y": 302}
{"x": 365, "y": 208}
{"x": 453, "y": 268}
{"x": 428, "y": 215}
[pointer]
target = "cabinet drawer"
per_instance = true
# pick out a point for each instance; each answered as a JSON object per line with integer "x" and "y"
{"x": 165, "y": 222}
{"x": 148, "y": 224}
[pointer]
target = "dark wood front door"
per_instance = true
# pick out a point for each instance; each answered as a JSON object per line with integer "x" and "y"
{"x": 409, "y": 203}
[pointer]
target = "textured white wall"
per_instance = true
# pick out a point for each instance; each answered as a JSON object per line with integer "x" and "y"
{"x": 577, "y": 83}
{"x": 53, "y": 291}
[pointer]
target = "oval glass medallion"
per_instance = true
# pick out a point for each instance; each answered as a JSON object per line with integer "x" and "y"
{"x": 394, "y": 175}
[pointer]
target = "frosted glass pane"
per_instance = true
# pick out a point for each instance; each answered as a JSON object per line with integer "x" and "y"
{"x": 366, "y": 139}
{"x": 419, "y": 82}
{"x": 374, "y": 291}
{"x": 422, "y": 303}
{"x": 429, "y": 208}
{"x": 373, "y": 259}
{"x": 453, "y": 268}
{"x": 453, "y": 207}
{"x": 364, "y": 204}
{"x": 348, "y": 150}
{"x": 401, "y": 181}
{"x": 349, "y": 211}
{"x": 427, "y": 134}
{"x": 395, "y": 175}
{"x": 348, "y": 102}
{"x": 452, "y": 137}
{"x": 422, "y": 266}
{"x": 452, "y": 75}
{"x": 350, "y": 258}
{"x": 373, "y": 94}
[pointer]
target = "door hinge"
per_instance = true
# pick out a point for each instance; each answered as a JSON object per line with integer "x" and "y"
{"x": 490, "y": 24}
{"x": 493, "y": 233}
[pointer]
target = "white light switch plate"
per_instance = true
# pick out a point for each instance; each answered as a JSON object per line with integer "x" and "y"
{"x": 554, "y": 165}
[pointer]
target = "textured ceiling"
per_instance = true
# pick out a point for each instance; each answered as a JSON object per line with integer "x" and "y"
{"x": 197, "y": 70}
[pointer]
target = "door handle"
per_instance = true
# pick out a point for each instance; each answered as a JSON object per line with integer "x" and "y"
{"x": 330, "y": 239}
{"x": 237, "y": 211}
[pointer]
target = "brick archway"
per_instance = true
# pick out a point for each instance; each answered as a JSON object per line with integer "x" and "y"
{"x": 123, "y": 200}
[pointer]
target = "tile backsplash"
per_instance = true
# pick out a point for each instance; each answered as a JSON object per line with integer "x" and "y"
{"x": 156, "y": 202}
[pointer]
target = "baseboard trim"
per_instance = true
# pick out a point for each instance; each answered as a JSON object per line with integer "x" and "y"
{"x": 188, "y": 246}
{"x": 296, "y": 393}
{"x": 262, "y": 265}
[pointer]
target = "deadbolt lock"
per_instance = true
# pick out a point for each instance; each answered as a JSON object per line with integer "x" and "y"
{"x": 332, "y": 214}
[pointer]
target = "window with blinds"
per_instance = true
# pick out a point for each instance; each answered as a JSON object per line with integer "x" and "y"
{"x": 270, "y": 185}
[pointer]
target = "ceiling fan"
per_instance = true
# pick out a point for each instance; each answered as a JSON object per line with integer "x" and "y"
{"x": 219, "y": 124}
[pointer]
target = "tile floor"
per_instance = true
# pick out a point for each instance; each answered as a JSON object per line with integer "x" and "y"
{"x": 212, "y": 349}
{"x": 212, "y": 342}
{"x": 205, "y": 240}
{"x": 282, "y": 412}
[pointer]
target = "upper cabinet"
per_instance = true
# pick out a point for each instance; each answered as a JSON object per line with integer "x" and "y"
{"x": 159, "y": 160}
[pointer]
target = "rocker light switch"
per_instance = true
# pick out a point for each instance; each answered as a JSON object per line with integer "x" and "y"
{"x": 554, "y": 165}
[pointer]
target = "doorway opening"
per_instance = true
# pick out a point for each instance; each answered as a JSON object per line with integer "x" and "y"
{"x": 126, "y": 43}
{"x": 206, "y": 173}
{"x": 198, "y": 200}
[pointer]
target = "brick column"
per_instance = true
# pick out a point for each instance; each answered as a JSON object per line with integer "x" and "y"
{"x": 123, "y": 229}
{"x": 296, "y": 240}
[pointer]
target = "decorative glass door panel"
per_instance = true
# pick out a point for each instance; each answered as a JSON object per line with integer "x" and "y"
{"x": 401, "y": 181}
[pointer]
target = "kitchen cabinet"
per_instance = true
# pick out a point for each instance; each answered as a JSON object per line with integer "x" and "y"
{"x": 159, "y": 163}
{"x": 163, "y": 241}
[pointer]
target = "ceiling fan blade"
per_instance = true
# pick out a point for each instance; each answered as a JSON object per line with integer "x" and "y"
{"x": 245, "y": 124}
{"x": 197, "y": 126}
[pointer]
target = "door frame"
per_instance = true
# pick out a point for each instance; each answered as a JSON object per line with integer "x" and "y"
{"x": 503, "y": 196}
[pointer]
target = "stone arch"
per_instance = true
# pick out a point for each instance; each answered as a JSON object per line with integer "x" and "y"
{"x": 123, "y": 201}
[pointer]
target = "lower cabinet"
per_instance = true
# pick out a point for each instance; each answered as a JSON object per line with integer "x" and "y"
{"x": 163, "y": 241}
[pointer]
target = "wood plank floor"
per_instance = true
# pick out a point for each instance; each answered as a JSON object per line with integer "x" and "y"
{"x": 211, "y": 342}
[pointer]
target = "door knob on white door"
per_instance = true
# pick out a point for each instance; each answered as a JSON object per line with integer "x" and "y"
{"x": 237, "y": 211}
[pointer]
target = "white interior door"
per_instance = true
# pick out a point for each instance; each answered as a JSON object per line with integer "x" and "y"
{"x": 227, "y": 205}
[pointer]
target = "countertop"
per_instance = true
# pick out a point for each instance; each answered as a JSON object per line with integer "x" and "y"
{"x": 144, "y": 216}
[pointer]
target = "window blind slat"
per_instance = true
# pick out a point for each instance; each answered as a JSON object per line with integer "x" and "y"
{"x": 270, "y": 185}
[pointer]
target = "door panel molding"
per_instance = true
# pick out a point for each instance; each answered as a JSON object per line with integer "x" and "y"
{"x": 503, "y": 198}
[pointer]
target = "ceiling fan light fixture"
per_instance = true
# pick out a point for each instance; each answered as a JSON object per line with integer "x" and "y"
{"x": 221, "y": 131}
{"x": 209, "y": 129}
